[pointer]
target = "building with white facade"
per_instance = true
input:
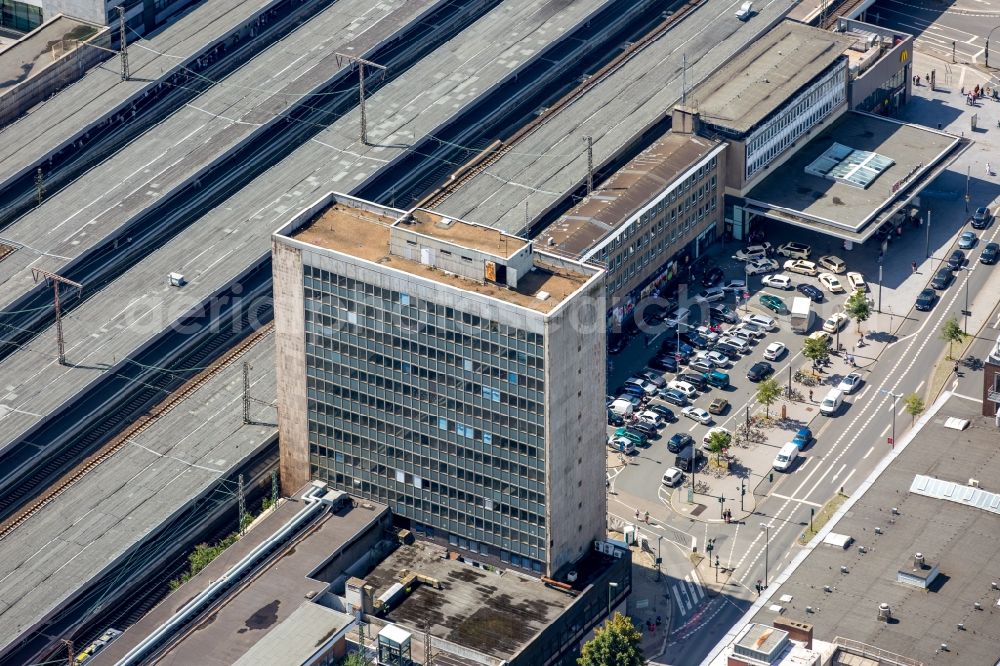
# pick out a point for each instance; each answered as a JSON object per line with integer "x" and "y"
{"x": 141, "y": 16}
{"x": 445, "y": 369}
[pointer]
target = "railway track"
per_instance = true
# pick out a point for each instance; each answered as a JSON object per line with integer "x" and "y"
{"x": 492, "y": 153}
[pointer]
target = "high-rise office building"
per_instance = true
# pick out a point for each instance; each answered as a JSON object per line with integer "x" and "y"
{"x": 451, "y": 371}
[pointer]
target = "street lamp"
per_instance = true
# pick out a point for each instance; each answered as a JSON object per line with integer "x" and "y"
{"x": 895, "y": 396}
{"x": 763, "y": 526}
{"x": 968, "y": 177}
{"x": 965, "y": 312}
{"x": 878, "y": 308}
{"x": 611, "y": 586}
{"x": 987, "y": 50}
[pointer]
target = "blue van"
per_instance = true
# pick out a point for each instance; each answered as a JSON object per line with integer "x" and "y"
{"x": 717, "y": 379}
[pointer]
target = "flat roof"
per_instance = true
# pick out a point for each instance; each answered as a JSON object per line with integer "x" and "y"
{"x": 295, "y": 640}
{"x": 829, "y": 206}
{"x": 41, "y": 47}
{"x": 365, "y": 234}
{"x": 961, "y": 540}
{"x": 765, "y": 75}
{"x": 494, "y": 612}
{"x": 244, "y": 617}
{"x": 472, "y": 236}
{"x": 538, "y": 172}
{"x": 626, "y": 192}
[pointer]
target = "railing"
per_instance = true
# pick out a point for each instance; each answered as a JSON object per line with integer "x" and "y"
{"x": 872, "y": 652}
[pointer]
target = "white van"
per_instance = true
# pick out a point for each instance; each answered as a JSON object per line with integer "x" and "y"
{"x": 622, "y": 408}
{"x": 786, "y": 457}
{"x": 831, "y": 403}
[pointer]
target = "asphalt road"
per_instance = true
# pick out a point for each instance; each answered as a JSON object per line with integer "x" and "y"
{"x": 937, "y": 26}
{"x": 849, "y": 445}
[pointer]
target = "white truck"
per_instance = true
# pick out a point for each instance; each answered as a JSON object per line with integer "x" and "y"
{"x": 802, "y": 314}
{"x": 745, "y": 11}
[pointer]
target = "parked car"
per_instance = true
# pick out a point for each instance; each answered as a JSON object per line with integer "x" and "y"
{"x": 648, "y": 387}
{"x": 712, "y": 276}
{"x": 989, "y": 254}
{"x": 622, "y": 445}
{"x": 885, "y": 232}
{"x": 717, "y": 379}
{"x": 684, "y": 387}
{"x": 637, "y": 437}
{"x": 761, "y": 266}
{"x": 666, "y": 363}
{"x": 696, "y": 380}
{"x": 674, "y": 397}
{"x": 751, "y": 332}
{"x": 672, "y": 477}
{"x": 773, "y": 303}
{"x": 836, "y": 322}
{"x": 695, "y": 339}
{"x": 820, "y": 335}
{"x": 926, "y": 299}
{"x": 655, "y": 377}
{"x": 678, "y": 441}
{"x": 718, "y": 406}
{"x": 779, "y": 281}
{"x": 831, "y": 283}
{"x": 707, "y": 333}
{"x": 718, "y": 359}
{"x": 742, "y": 345}
{"x": 617, "y": 343}
{"x": 802, "y": 438}
{"x": 942, "y": 279}
{"x": 765, "y": 322}
{"x": 722, "y": 313}
{"x": 711, "y": 295}
{"x": 856, "y": 282}
{"x": 644, "y": 428}
{"x": 735, "y": 286}
{"x": 850, "y": 383}
{"x": 795, "y": 250}
{"x": 774, "y": 351}
{"x": 956, "y": 260}
{"x": 813, "y": 293}
{"x": 967, "y": 240}
{"x": 759, "y": 371}
{"x": 745, "y": 12}
{"x": 981, "y": 218}
{"x": 615, "y": 419}
{"x": 697, "y": 414}
{"x": 702, "y": 365}
{"x": 801, "y": 266}
{"x": 665, "y": 412}
{"x": 832, "y": 264}
{"x": 752, "y": 252}
{"x": 731, "y": 352}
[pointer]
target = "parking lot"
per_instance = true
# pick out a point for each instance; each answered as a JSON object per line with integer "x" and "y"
{"x": 637, "y": 478}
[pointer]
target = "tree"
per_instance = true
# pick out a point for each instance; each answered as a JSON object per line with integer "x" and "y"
{"x": 718, "y": 442}
{"x": 617, "y": 643}
{"x": 914, "y": 406}
{"x": 815, "y": 349}
{"x": 354, "y": 659}
{"x": 768, "y": 392}
{"x": 951, "y": 333}
{"x": 858, "y": 307}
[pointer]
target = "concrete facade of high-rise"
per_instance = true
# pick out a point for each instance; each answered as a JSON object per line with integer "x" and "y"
{"x": 446, "y": 369}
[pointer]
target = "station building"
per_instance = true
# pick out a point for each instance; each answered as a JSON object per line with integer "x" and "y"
{"x": 444, "y": 369}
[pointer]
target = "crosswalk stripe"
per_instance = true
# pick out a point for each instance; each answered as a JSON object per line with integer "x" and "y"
{"x": 697, "y": 591}
{"x": 691, "y": 590}
{"x": 681, "y": 595}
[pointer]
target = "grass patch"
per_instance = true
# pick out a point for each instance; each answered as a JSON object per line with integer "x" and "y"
{"x": 821, "y": 517}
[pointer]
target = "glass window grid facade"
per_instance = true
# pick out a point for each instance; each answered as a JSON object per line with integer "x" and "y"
{"x": 653, "y": 234}
{"x": 20, "y": 16}
{"x": 434, "y": 411}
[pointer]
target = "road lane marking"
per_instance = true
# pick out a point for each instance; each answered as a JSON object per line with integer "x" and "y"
{"x": 869, "y": 452}
{"x": 847, "y": 478}
{"x": 796, "y": 499}
{"x": 839, "y": 471}
{"x": 967, "y": 397}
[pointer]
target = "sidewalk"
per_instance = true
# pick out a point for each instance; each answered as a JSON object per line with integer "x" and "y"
{"x": 754, "y": 464}
{"x": 649, "y": 601}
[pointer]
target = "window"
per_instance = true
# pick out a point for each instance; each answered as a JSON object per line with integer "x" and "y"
{"x": 19, "y": 15}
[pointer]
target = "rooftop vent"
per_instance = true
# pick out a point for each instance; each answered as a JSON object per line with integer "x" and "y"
{"x": 884, "y": 612}
{"x": 918, "y": 561}
{"x": 445, "y": 222}
{"x": 542, "y": 295}
{"x": 922, "y": 573}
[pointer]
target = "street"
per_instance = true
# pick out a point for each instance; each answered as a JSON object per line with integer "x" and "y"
{"x": 903, "y": 348}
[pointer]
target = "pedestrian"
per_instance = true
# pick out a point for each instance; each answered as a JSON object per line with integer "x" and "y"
{"x": 637, "y": 515}
{"x": 647, "y": 517}
{"x": 913, "y": 265}
{"x": 989, "y": 171}
{"x": 810, "y": 395}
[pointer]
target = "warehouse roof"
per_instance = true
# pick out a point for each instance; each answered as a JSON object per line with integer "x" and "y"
{"x": 960, "y": 540}
{"x": 765, "y": 75}
{"x": 626, "y": 193}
